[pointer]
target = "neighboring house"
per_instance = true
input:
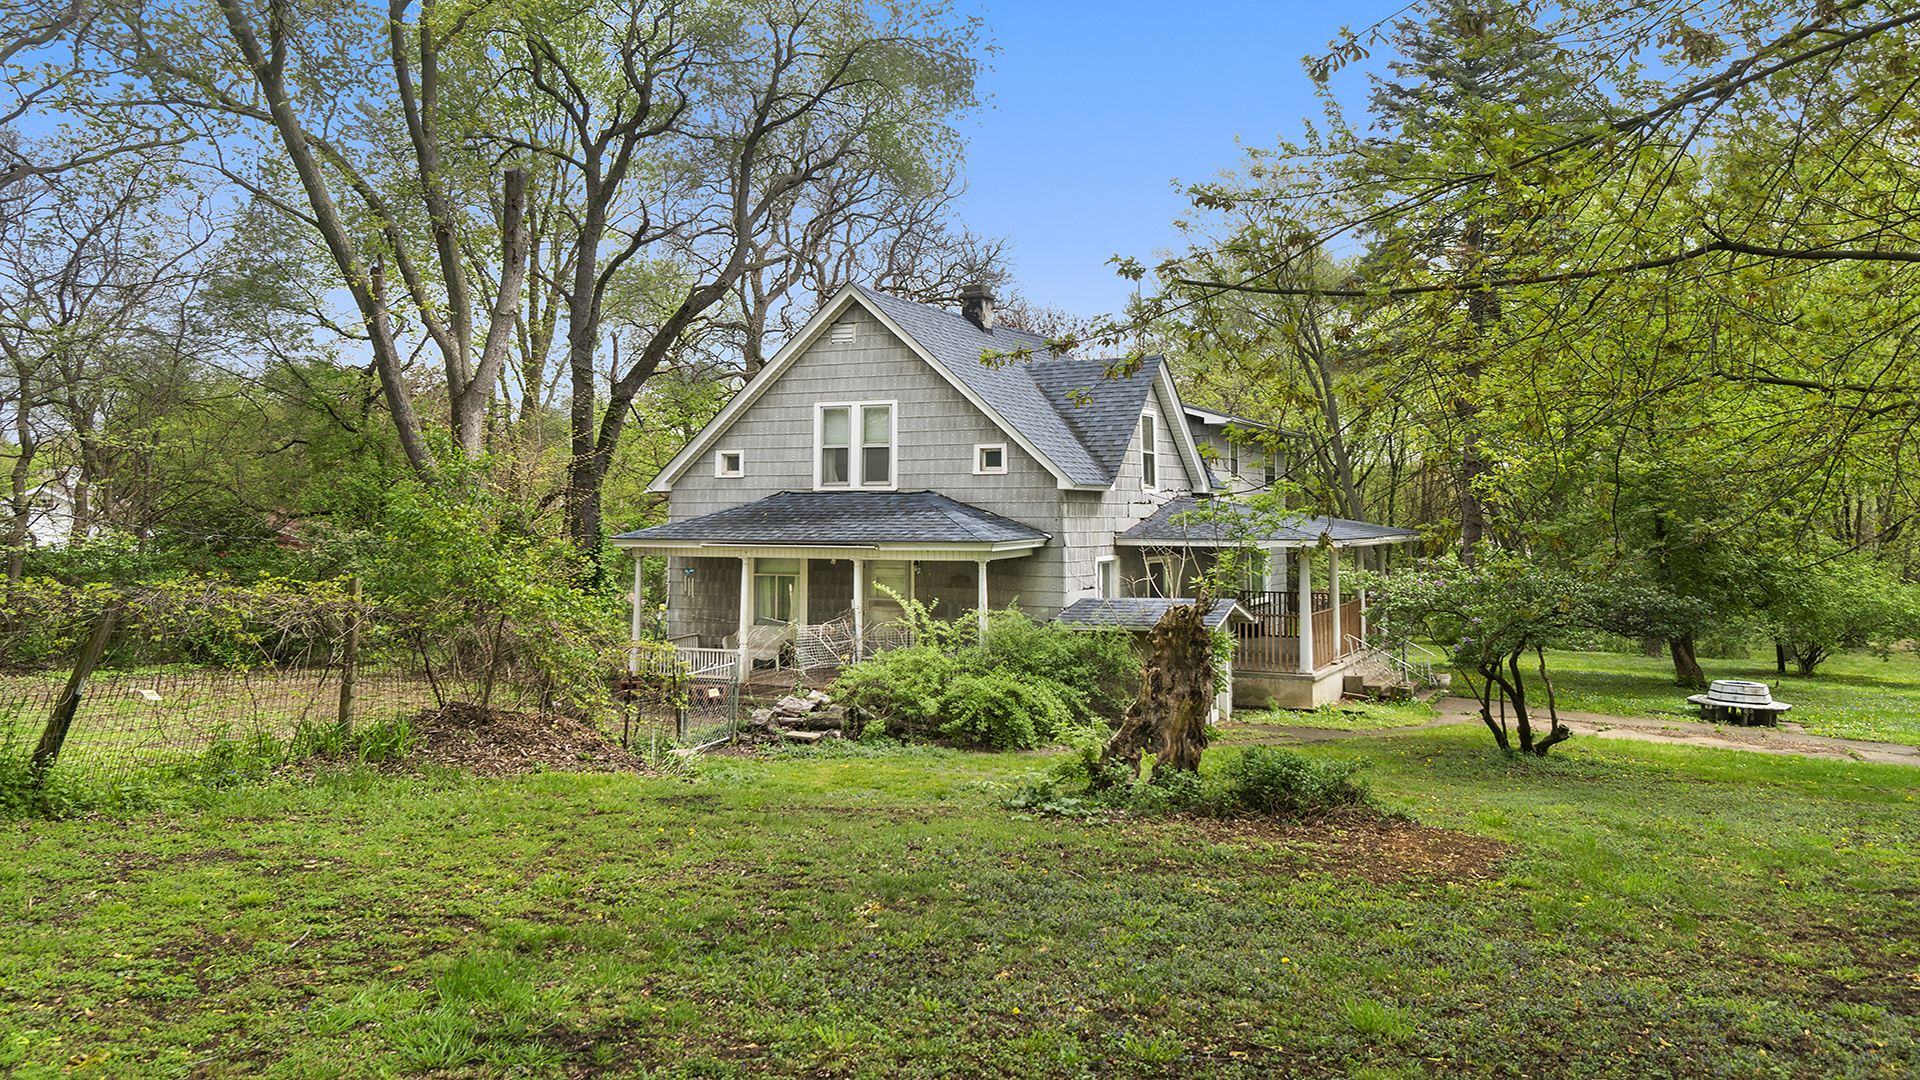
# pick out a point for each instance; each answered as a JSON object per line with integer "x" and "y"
{"x": 50, "y": 516}
{"x": 876, "y": 459}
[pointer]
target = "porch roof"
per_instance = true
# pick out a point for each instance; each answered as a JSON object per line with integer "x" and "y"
{"x": 1164, "y": 529}
{"x": 1142, "y": 612}
{"x": 845, "y": 519}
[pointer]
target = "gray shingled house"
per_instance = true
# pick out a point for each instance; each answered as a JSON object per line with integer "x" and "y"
{"x": 876, "y": 456}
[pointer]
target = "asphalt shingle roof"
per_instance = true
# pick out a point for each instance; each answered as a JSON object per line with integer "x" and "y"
{"x": 1294, "y": 530}
{"x": 1087, "y": 438}
{"x": 1140, "y": 612}
{"x": 838, "y": 518}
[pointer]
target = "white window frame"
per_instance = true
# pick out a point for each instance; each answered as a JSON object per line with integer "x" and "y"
{"x": 856, "y": 460}
{"x": 720, "y": 463}
{"x": 980, "y": 466}
{"x": 1171, "y": 570}
{"x": 1149, "y": 450}
{"x": 1103, "y": 566}
{"x": 796, "y": 591}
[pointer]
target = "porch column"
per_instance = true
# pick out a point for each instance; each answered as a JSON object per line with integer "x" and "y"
{"x": 633, "y": 634}
{"x": 983, "y": 599}
{"x": 1333, "y": 590}
{"x": 746, "y": 614}
{"x": 859, "y": 609}
{"x": 1303, "y": 597}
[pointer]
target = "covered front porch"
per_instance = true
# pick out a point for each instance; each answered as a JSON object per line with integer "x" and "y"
{"x": 1307, "y": 629}
{"x": 808, "y": 580}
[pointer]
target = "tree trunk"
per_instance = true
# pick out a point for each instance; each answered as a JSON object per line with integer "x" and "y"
{"x": 1176, "y": 696}
{"x": 1686, "y": 669}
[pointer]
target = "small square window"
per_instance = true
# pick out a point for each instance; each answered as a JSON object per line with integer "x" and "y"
{"x": 990, "y": 459}
{"x": 728, "y": 463}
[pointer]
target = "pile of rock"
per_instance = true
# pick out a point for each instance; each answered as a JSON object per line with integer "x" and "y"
{"x": 797, "y": 718}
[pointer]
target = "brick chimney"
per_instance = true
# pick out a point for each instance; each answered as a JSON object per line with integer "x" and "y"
{"x": 976, "y": 303}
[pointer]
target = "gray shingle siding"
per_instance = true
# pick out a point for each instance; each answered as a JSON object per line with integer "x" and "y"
{"x": 1086, "y": 423}
{"x": 936, "y": 430}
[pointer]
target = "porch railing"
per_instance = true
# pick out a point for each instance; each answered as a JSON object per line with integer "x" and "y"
{"x": 694, "y": 663}
{"x": 1272, "y": 641}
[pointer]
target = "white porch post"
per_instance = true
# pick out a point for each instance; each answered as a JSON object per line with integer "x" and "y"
{"x": 633, "y": 633}
{"x": 859, "y": 609}
{"x": 1333, "y": 591}
{"x": 983, "y": 599}
{"x": 1304, "y": 601}
{"x": 746, "y": 614}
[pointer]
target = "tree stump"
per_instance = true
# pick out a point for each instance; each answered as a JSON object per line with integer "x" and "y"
{"x": 1176, "y": 694}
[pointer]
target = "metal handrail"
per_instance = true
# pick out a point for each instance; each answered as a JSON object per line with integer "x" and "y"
{"x": 1415, "y": 672}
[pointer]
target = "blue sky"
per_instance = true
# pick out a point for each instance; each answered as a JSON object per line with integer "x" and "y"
{"x": 1097, "y": 108}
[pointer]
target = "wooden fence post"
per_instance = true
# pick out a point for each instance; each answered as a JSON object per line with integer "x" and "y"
{"x": 55, "y": 736}
{"x": 350, "y": 659}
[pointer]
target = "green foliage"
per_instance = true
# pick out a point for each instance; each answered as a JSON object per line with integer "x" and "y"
{"x": 1098, "y": 670}
{"x": 1488, "y": 616}
{"x": 1850, "y": 602}
{"x": 1001, "y": 709}
{"x": 1028, "y": 685}
{"x": 467, "y": 574}
{"x": 1270, "y": 780}
{"x": 1261, "y": 781}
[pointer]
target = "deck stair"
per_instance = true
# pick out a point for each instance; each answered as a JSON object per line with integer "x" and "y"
{"x": 1390, "y": 670}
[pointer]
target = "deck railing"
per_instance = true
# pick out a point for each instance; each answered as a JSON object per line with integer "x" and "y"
{"x": 1272, "y": 641}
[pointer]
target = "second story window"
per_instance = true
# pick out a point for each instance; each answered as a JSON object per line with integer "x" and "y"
{"x": 1147, "y": 447}
{"x": 856, "y": 445}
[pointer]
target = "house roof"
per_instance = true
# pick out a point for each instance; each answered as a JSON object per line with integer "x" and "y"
{"x": 1164, "y": 529}
{"x": 1068, "y": 413}
{"x": 1142, "y": 612}
{"x": 841, "y": 519}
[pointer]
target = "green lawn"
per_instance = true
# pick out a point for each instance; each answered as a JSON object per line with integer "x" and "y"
{"x": 1662, "y": 911}
{"x": 1853, "y": 696}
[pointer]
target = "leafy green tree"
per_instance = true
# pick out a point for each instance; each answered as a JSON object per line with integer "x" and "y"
{"x": 1847, "y": 602}
{"x": 1489, "y": 616}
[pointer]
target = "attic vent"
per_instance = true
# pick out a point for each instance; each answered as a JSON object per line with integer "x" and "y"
{"x": 842, "y": 333}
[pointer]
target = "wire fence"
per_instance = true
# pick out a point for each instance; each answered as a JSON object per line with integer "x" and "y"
{"x": 129, "y": 720}
{"x": 323, "y": 684}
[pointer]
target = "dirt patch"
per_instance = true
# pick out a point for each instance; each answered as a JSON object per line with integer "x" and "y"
{"x": 492, "y": 742}
{"x": 1380, "y": 849}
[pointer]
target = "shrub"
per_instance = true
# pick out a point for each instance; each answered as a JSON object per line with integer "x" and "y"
{"x": 1027, "y": 685}
{"x": 898, "y": 691}
{"x": 1001, "y": 710}
{"x": 1097, "y": 671}
{"x": 1269, "y": 780}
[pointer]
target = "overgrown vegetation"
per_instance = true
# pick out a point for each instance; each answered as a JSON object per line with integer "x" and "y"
{"x": 1259, "y": 781}
{"x": 1026, "y": 686}
{"x": 1610, "y": 910}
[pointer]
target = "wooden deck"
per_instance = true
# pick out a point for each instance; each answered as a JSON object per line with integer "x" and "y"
{"x": 1271, "y": 644}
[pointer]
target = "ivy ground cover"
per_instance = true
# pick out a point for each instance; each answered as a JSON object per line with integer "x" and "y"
{"x": 1612, "y": 910}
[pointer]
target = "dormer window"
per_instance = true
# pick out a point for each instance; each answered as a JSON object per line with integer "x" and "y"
{"x": 856, "y": 445}
{"x": 989, "y": 459}
{"x": 728, "y": 463}
{"x": 1147, "y": 455}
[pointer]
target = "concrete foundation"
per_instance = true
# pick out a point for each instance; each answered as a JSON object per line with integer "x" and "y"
{"x": 1290, "y": 690}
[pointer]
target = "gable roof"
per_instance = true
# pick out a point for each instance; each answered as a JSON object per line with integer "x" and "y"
{"x": 1291, "y": 530}
{"x": 1073, "y": 419}
{"x": 842, "y": 519}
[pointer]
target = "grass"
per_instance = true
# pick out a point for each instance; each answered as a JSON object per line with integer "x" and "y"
{"x": 877, "y": 912}
{"x": 1854, "y": 695}
{"x": 1343, "y": 716}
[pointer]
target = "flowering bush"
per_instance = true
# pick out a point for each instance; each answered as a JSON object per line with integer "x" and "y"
{"x": 1488, "y": 616}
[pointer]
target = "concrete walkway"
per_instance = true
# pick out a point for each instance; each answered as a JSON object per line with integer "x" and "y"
{"x": 1788, "y": 738}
